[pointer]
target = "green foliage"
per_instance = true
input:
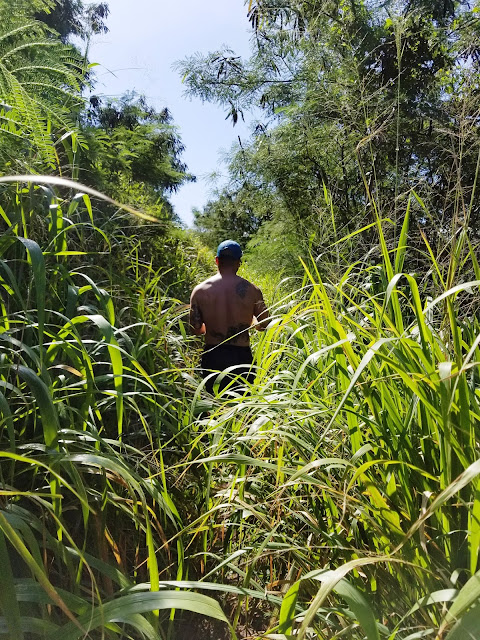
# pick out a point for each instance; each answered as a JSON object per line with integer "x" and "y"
{"x": 87, "y": 346}
{"x": 237, "y": 215}
{"x": 369, "y": 99}
{"x": 41, "y": 79}
{"x": 275, "y": 249}
{"x": 65, "y": 17}
{"x": 337, "y": 495}
{"x": 73, "y": 18}
{"x": 342, "y": 485}
{"x": 39, "y": 93}
{"x": 354, "y": 452}
{"x": 133, "y": 153}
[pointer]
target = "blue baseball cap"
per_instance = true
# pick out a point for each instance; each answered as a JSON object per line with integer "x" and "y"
{"x": 229, "y": 249}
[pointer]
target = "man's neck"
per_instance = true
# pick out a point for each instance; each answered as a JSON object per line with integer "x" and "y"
{"x": 227, "y": 272}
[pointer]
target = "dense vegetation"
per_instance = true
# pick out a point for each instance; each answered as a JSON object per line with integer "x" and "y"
{"x": 338, "y": 495}
{"x": 356, "y": 100}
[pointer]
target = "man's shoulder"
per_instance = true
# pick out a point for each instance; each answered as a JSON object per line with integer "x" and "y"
{"x": 244, "y": 287}
{"x": 203, "y": 286}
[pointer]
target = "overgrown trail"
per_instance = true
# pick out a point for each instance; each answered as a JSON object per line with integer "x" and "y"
{"x": 341, "y": 485}
{"x": 335, "y": 496}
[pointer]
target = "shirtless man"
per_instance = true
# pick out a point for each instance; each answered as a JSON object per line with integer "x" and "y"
{"x": 222, "y": 309}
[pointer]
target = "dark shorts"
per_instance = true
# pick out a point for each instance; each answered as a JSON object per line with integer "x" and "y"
{"x": 223, "y": 356}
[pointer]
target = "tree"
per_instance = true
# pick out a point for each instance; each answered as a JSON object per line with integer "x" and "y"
{"x": 232, "y": 215}
{"x": 363, "y": 101}
{"x": 40, "y": 82}
{"x": 134, "y": 153}
{"x": 72, "y": 18}
{"x": 41, "y": 79}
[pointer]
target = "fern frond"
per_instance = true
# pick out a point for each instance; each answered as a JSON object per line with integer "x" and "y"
{"x": 5, "y": 128}
{"x": 24, "y": 28}
{"x": 41, "y": 67}
{"x": 76, "y": 99}
{"x": 32, "y": 118}
{"x": 55, "y": 115}
{"x": 27, "y": 46}
{"x": 9, "y": 119}
{"x": 32, "y": 67}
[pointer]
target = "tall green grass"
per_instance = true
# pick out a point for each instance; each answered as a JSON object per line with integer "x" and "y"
{"x": 87, "y": 403}
{"x": 353, "y": 460}
{"x": 336, "y": 497}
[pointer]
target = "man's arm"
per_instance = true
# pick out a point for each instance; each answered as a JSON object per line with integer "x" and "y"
{"x": 196, "y": 320}
{"x": 260, "y": 312}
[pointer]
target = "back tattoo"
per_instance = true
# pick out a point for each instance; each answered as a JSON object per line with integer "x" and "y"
{"x": 242, "y": 288}
{"x": 196, "y": 316}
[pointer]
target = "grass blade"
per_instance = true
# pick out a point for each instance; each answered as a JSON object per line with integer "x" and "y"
{"x": 134, "y": 603}
{"x": 8, "y": 599}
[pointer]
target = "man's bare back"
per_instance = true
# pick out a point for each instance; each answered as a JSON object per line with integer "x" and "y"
{"x": 223, "y": 309}
{"x": 226, "y": 306}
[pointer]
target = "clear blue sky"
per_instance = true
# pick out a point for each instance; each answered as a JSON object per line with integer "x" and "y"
{"x": 145, "y": 38}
